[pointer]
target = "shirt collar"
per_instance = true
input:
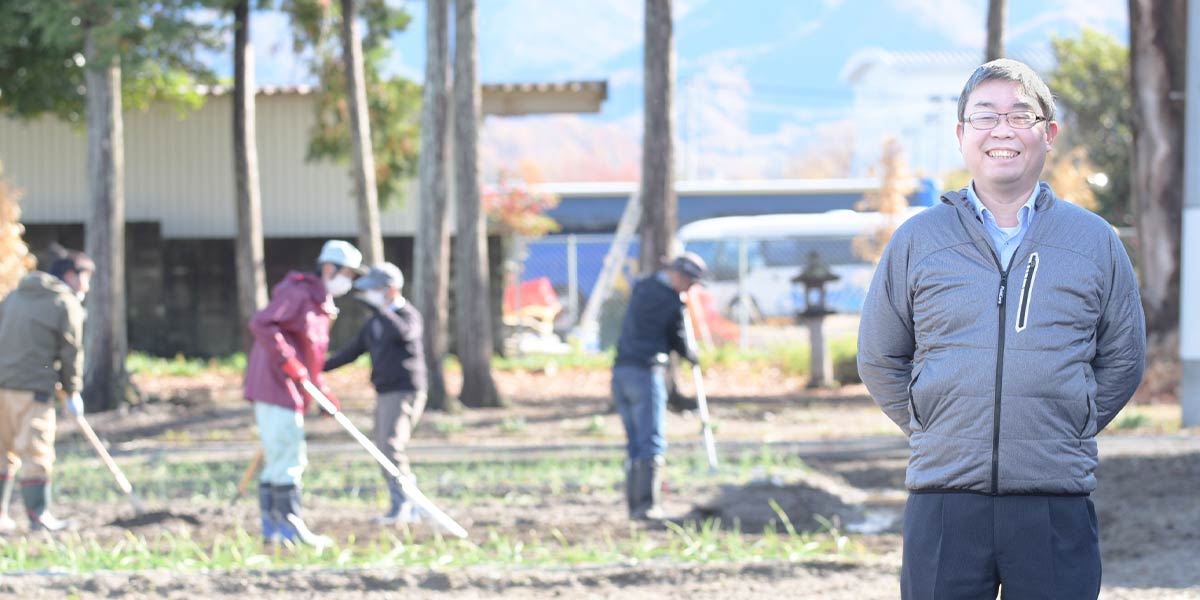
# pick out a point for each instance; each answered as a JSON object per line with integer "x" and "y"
{"x": 1023, "y": 214}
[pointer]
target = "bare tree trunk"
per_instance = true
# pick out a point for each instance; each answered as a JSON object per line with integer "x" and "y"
{"x": 659, "y": 204}
{"x": 370, "y": 240}
{"x": 996, "y": 20}
{"x": 248, "y": 248}
{"x": 106, "y": 383}
{"x": 432, "y": 257}
{"x": 1157, "y": 40}
{"x": 474, "y": 325}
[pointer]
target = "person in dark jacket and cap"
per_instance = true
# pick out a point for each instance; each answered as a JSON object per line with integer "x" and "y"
{"x": 653, "y": 326}
{"x": 291, "y": 337}
{"x": 393, "y": 337}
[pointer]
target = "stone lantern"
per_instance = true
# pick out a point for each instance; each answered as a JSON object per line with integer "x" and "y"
{"x": 815, "y": 276}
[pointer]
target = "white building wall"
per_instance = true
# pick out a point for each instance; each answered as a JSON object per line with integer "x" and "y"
{"x": 179, "y": 172}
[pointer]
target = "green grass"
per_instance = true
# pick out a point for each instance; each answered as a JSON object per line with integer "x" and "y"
{"x": 791, "y": 358}
{"x": 595, "y": 426}
{"x": 1132, "y": 419}
{"x": 705, "y": 542}
{"x": 354, "y": 481}
{"x": 539, "y": 362}
{"x": 510, "y": 425}
{"x": 155, "y": 366}
{"x": 448, "y": 426}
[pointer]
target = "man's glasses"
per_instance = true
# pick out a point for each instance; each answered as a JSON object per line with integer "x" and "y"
{"x": 1021, "y": 119}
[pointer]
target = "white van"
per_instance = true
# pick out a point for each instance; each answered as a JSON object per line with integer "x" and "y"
{"x": 776, "y": 250}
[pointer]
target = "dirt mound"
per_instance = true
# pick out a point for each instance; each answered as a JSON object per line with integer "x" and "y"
{"x": 153, "y": 517}
{"x": 757, "y": 506}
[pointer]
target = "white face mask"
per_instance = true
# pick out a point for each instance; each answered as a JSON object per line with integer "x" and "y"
{"x": 374, "y": 298}
{"x": 338, "y": 286}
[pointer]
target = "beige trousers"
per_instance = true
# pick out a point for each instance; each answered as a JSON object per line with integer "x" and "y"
{"x": 26, "y": 435}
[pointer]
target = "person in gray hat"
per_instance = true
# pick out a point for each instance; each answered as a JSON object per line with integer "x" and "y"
{"x": 291, "y": 337}
{"x": 393, "y": 337}
{"x": 652, "y": 327}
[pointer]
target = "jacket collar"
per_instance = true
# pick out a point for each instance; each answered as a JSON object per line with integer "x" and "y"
{"x": 311, "y": 286}
{"x": 967, "y": 216}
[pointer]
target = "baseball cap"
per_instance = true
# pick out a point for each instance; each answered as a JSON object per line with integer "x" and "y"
{"x": 382, "y": 275}
{"x": 690, "y": 265}
{"x": 342, "y": 254}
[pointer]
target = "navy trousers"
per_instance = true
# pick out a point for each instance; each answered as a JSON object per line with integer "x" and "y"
{"x": 961, "y": 546}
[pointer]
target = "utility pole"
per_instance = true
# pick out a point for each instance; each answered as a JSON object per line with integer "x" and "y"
{"x": 1189, "y": 267}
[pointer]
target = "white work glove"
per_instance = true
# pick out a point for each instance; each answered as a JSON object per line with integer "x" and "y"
{"x": 74, "y": 405}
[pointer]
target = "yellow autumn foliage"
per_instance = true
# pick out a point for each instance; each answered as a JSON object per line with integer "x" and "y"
{"x": 896, "y": 183}
{"x": 15, "y": 259}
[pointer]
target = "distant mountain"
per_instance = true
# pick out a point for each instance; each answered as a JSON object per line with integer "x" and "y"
{"x": 761, "y": 88}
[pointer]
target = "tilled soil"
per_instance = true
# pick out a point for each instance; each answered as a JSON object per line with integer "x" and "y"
{"x": 1147, "y": 506}
{"x": 1147, "y": 500}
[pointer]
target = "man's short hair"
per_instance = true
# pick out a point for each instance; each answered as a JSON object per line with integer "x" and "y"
{"x": 67, "y": 261}
{"x": 1007, "y": 69}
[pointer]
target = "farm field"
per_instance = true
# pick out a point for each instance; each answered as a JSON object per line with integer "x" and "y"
{"x": 807, "y": 501}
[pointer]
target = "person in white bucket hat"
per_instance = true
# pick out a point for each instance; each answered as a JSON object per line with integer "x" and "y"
{"x": 291, "y": 337}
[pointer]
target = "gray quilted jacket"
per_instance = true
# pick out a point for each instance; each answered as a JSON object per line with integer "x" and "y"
{"x": 1002, "y": 378}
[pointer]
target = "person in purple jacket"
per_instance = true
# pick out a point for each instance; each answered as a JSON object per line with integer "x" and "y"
{"x": 291, "y": 337}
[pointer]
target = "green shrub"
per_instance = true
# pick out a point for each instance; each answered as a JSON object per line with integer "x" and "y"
{"x": 1132, "y": 419}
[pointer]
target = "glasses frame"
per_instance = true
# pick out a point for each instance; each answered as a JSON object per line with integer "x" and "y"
{"x": 1004, "y": 117}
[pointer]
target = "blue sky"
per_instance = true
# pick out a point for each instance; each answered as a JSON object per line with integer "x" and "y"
{"x": 752, "y": 69}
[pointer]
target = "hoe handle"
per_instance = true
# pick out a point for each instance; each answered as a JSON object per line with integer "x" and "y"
{"x": 406, "y": 483}
{"x": 251, "y": 469}
{"x": 122, "y": 481}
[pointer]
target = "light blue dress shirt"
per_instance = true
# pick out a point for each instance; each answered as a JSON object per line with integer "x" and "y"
{"x": 1005, "y": 239}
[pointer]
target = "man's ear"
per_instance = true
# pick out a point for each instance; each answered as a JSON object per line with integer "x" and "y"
{"x": 1051, "y": 133}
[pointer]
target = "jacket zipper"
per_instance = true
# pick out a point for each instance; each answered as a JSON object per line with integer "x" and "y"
{"x": 1002, "y": 304}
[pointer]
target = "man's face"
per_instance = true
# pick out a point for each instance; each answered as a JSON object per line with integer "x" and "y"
{"x": 679, "y": 281}
{"x": 1004, "y": 159}
{"x": 79, "y": 281}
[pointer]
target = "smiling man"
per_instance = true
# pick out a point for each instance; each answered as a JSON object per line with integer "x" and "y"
{"x": 1002, "y": 331}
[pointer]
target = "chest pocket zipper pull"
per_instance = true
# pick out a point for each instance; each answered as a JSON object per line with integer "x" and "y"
{"x": 1031, "y": 269}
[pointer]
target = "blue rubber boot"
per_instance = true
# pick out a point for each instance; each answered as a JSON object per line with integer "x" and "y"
{"x": 286, "y": 509}
{"x": 270, "y": 528}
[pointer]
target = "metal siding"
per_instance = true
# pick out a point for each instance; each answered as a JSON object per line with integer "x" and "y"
{"x": 45, "y": 159}
{"x": 179, "y": 172}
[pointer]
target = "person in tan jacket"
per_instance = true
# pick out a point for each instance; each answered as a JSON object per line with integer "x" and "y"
{"x": 41, "y": 351}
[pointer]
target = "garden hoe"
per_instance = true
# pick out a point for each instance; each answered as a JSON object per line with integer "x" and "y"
{"x": 251, "y": 469}
{"x": 710, "y": 445}
{"x": 406, "y": 483}
{"x": 122, "y": 481}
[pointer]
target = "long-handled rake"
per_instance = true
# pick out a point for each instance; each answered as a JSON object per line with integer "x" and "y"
{"x": 122, "y": 481}
{"x": 710, "y": 445}
{"x": 406, "y": 483}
